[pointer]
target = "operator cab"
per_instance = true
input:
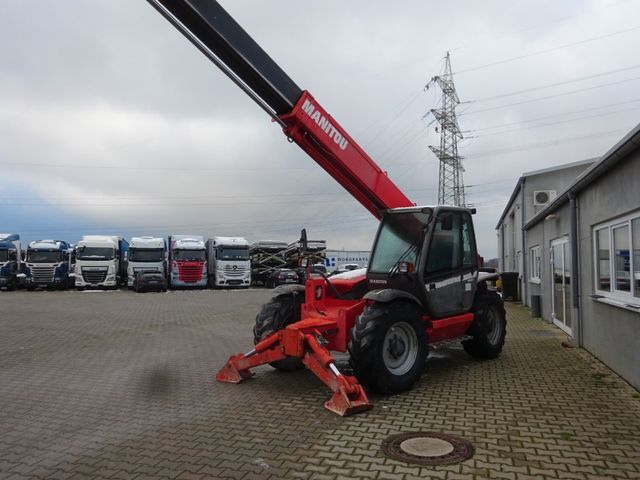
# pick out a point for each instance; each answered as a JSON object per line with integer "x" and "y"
{"x": 429, "y": 253}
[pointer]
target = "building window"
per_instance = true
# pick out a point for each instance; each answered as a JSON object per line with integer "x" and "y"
{"x": 534, "y": 264}
{"x": 602, "y": 252}
{"x": 617, "y": 255}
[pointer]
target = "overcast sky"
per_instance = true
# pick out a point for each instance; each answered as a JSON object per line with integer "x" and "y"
{"x": 112, "y": 122}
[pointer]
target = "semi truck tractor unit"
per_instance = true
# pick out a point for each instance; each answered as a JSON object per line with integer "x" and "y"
{"x": 10, "y": 260}
{"x": 47, "y": 265}
{"x": 422, "y": 285}
{"x": 187, "y": 261}
{"x": 146, "y": 254}
{"x": 229, "y": 264}
{"x": 101, "y": 262}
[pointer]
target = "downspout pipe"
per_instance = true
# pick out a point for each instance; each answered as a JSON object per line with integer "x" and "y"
{"x": 523, "y": 233}
{"x": 575, "y": 268}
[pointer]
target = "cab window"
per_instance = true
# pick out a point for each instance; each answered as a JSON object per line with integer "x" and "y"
{"x": 444, "y": 251}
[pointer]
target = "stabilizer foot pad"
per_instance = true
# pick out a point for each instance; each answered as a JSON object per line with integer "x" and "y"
{"x": 341, "y": 404}
{"x": 230, "y": 373}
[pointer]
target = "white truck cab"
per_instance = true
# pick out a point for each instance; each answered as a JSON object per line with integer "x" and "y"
{"x": 101, "y": 261}
{"x": 146, "y": 254}
{"x": 229, "y": 262}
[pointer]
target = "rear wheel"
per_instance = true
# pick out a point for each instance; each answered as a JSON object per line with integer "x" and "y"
{"x": 275, "y": 315}
{"x": 489, "y": 328}
{"x": 388, "y": 346}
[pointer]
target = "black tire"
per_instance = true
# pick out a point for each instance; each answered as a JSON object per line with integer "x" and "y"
{"x": 274, "y": 315}
{"x": 380, "y": 357}
{"x": 489, "y": 327}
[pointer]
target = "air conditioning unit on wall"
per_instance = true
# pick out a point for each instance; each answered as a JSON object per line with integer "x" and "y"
{"x": 542, "y": 198}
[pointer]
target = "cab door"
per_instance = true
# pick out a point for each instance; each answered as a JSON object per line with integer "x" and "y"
{"x": 450, "y": 273}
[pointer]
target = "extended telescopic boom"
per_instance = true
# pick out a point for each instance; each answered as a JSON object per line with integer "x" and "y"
{"x": 216, "y": 34}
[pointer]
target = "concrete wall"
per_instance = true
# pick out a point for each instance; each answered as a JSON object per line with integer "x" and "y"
{"x": 558, "y": 180}
{"x": 546, "y": 231}
{"x": 511, "y": 258}
{"x": 609, "y": 332}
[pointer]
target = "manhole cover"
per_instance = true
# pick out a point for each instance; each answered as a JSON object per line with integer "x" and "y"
{"x": 428, "y": 448}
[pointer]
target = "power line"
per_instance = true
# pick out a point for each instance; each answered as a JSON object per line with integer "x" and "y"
{"x": 546, "y": 117}
{"x": 556, "y": 123}
{"x": 553, "y": 96}
{"x": 548, "y": 50}
{"x": 548, "y": 144}
{"x": 557, "y": 84}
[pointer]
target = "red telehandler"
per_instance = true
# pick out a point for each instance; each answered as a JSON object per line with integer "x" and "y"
{"x": 422, "y": 284}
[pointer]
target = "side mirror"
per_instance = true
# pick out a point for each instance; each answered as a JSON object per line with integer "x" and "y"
{"x": 13, "y": 256}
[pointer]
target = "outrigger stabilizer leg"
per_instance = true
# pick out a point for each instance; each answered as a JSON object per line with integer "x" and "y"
{"x": 304, "y": 341}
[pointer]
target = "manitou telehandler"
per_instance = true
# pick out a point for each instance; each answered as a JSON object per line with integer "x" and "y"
{"x": 422, "y": 284}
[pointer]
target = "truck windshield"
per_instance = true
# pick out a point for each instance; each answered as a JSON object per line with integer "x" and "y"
{"x": 400, "y": 240}
{"x": 233, "y": 253}
{"x": 4, "y": 255}
{"x": 146, "y": 254}
{"x": 188, "y": 255}
{"x": 95, "y": 253}
{"x": 43, "y": 256}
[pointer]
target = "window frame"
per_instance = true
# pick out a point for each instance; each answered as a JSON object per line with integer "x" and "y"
{"x": 626, "y": 298}
{"x": 535, "y": 252}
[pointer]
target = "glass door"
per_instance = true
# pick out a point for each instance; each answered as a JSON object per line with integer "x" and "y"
{"x": 561, "y": 284}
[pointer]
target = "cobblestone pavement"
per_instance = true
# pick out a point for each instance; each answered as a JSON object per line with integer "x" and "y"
{"x": 119, "y": 385}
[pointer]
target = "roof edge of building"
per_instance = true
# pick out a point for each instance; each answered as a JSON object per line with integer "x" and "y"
{"x": 513, "y": 196}
{"x": 620, "y": 151}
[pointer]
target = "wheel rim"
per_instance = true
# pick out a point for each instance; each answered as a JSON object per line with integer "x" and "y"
{"x": 494, "y": 326}
{"x": 400, "y": 348}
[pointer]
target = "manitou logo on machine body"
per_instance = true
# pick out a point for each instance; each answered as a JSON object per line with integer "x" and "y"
{"x": 324, "y": 123}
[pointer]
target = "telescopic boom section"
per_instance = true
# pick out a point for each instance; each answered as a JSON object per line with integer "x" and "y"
{"x": 216, "y": 34}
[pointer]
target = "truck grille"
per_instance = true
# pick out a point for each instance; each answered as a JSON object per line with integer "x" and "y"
{"x": 190, "y": 272}
{"x": 237, "y": 272}
{"x": 94, "y": 276}
{"x": 42, "y": 274}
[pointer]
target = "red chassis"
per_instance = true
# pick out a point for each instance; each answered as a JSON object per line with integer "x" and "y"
{"x": 325, "y": 325}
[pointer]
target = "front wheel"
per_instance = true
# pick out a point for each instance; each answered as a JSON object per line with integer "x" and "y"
{"x": 489, "y": 327}
{"x": 274, "y": 315}
{"x": 388, "y": 346}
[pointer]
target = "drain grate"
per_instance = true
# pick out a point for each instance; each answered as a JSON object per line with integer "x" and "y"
{"x": 428, "y": 448}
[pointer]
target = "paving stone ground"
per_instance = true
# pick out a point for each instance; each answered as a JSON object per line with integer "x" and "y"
{"x": 121, "y": 385}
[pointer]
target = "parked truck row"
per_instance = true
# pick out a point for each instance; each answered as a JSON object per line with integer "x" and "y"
{"x": 110, "y": 262}
{"x": 179, "y": 261}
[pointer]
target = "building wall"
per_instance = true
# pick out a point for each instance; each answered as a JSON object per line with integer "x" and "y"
{"x": 511, "y": 258}
{"x": 609, "y": 332}
{"x": 558, "y": 180}
{"x": 543, "y": 233}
